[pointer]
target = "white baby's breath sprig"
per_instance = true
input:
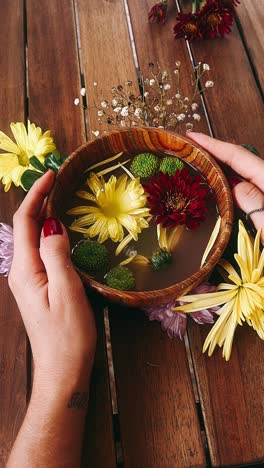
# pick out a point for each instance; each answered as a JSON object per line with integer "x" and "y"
{"x": 161, "y": 102}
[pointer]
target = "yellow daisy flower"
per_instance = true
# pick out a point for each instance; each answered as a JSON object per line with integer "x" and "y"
{"x": 119, "y": 203}
{"x": 242, "y": 298}
{"x": 29, "y": 143}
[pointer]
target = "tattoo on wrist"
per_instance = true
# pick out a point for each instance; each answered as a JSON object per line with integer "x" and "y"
{"x": 79, "y": 400}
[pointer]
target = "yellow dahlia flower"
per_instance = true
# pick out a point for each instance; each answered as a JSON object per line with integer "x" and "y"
{"x": 29, "y": 143}
{"x": 242, "y": 298}
{"x": 119, "y": 203}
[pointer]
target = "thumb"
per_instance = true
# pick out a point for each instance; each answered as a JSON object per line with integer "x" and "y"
{"x": 55, "y": 250}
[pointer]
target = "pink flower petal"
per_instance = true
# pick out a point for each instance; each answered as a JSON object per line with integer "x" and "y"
{"x": 175, "y": 324}
{"x": 6, "y": 248}
{"x": 203, "y": 316}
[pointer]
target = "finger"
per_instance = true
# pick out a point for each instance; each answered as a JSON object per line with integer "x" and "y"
{"x": 242, "y": 161}
{"x": 55, "y": 252}
{"x": 248, "y": 197}
{"x": 26, "y": 226}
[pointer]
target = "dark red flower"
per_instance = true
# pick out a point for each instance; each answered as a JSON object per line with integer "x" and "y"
{"x": 187, "y": 26}
{"x": 158, "y": 12}
{"x": 177, "y": 199}
{"x": 216, "y": 18}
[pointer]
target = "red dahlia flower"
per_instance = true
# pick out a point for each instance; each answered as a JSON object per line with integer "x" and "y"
{"x": 177, "y": 199}
{"x": 187, "y": 26}
{"x": 216, "y": 17}
{"x": 158, "y": 12}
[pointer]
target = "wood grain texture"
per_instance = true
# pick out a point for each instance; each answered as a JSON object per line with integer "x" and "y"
{"x": 234, "y": 104}
{"x": 53, "y": 72}
{"x": 145, "y": 139}
{"x": 108, "y": 61}
{"x": 232, "y": 397}
{"x": 98, "y": 445}
{"x": 13, "y": 343}
{"x": 158, "y": 419}
{"x": 106, "y": 51}
{"x": 228, "y": 400}
{"x": 54, "y": 82}
{"x": 251, "y": 20}
{"x": 155, "y": 43}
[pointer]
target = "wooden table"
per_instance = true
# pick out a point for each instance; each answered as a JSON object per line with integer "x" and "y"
{"x": 166, "y": 416}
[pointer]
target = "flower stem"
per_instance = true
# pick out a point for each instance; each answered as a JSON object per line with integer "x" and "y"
{"x": 194, "y": 6}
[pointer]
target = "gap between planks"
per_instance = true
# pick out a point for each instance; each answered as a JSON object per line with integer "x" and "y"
{"x": 118, "y": 446}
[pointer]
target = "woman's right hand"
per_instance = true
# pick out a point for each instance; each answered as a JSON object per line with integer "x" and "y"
{"x": 248, "y": 190}
{"x": 50, "y": 295}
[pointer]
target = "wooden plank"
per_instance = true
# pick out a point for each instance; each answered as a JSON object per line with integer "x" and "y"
{"x": 231, "y": 397}
{"x": 142, "y": 390}
{"x": 53, "y": 72}
{"x": 155, "y": 43}
{"x": 103, "y": 62}
{"x": 229, "y": 391}
{"x": 234, "y": 104}
{"x": 54, "y": 82}
{"x": 158, "y": 419}
{"x": 98, "y": 447}
{"x": 250, "y": 20}
{"x": 13, "y": 343}
{"x": 107, "y": 59}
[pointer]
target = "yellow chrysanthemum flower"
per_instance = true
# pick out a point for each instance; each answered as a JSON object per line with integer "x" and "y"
{"x": 242, "y": 297}
{"x": 118, "y": 203}
{"x": 28, "y": 143}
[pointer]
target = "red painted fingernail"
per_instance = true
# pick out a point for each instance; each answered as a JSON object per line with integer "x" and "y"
{"x": 234, "y": 180}
{"x": 51, "y": 227}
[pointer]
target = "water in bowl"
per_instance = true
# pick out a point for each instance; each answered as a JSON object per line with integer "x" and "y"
{"x": 186, "y": 254}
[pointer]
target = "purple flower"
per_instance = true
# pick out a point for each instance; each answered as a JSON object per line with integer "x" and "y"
{"x": 175, "y": 322}
{"x": 6, "y": 248}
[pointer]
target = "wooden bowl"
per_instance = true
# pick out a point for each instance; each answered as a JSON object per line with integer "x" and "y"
{"x": 143, "y": 139}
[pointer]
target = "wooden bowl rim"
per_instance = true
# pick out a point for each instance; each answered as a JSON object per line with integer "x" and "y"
{"x": 137, "y": 298}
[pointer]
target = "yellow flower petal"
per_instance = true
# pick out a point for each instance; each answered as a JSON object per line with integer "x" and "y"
{"x": 113, "y": 229}
{"x": 230, "y": 269}
{"x": 256, "y": 288}
{"x": 7, "y": 184}
{"x": 214, "y": 335}
{"x": 205, "y": 301}
{"x": 120, "y": 203}
{"x": 20, "y": 134}
{"x": 7, "y": 144}
{"x": 17, "y": 174}
{"x": 123, "y": 244}
{"x": 245, "y": 272}
{"x": 86, "y": 195}
{"x": 104, "y": 234}
{"x": 138, "y": 259}
{"x": 110, "y": 169}
{"x": 245, "y": 247}
{"x": 94, "y": 183}
{"x": 14, "y": 163}
{"x": 256, "y": 253}
{"x": 226, "y": 286}
{"x": 8, "y": 162}
{"x": 82, "y": 210}
{"x": 211, "y": 242}
{"x": 102, "y": 163}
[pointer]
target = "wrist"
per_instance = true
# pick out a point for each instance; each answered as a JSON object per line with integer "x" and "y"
{"x": 53, "y": 379}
